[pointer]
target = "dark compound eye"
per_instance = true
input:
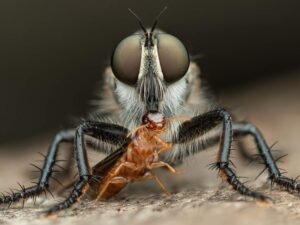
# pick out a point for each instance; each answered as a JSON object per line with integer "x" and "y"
{"x": 173, "y": 57}
{"x": 126, "y": 60}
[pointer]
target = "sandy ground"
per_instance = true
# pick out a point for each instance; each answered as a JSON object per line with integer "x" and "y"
{"x": 199, "y": 197}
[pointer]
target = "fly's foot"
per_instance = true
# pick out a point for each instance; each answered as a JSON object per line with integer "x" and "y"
{"x": 289, "y": 184}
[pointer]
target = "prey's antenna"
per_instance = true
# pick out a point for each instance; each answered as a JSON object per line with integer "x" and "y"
{"x": 157, "y": 18}
{"x": 139, "y": 20}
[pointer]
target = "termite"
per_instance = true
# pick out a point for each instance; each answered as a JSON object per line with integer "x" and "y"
{"x": 139, "y": 159}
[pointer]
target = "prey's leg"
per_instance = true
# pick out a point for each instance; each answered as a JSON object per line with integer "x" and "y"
{"x": 161, "y": 164}
{"x": 113, "y": 180}
{"x": 152, "y": 175}
{"x": 164, "y": 146}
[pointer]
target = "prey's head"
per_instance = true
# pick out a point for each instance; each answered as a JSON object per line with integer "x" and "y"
{"x": 150, "y": 71}
{"x": 154, "y": 121}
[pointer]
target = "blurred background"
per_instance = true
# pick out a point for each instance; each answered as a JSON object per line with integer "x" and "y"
{"x": 53, "y": 52}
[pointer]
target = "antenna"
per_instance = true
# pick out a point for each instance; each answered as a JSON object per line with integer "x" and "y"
{"x": 139, "y": 20}
{"x": 147, "y": 35}
{"x": 157, "y": 18}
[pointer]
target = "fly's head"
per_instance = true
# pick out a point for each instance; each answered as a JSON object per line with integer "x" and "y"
{"x": 150, "y": 71}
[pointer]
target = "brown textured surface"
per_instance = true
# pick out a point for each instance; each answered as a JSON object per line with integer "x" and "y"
{"x": 199, "y": 197}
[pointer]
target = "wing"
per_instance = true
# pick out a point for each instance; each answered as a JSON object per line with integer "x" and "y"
{"x": 101, "y": 168}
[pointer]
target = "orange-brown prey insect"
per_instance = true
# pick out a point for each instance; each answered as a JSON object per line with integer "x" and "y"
{"x": 140, "y": 158}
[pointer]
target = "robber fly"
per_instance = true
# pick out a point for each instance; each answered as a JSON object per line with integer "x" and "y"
{"x": 151, "y": 75}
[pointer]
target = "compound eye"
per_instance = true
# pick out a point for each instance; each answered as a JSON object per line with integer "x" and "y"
{"x": 173, "y": 57}
{"x": 126, "y": 60}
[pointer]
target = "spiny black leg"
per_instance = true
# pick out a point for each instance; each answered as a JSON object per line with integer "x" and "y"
{"x": 80, "y": 187}
{"x": 78, "y": 190}
{"x": 199, "y": 125}
{"x": 98, "y": 130}
{"x": 211, "y": 141}
{"x": 107, "y": 132}
{"x": 43, "y": 184}
{"x": 245, "y": 128}
{"x": 22, "y": 194}
{"x": 110, "y": 133}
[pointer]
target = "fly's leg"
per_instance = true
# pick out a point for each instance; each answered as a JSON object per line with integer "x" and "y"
{"x": 199, "y": 125}
{"x": 43, "y": 184}
{"x": 108, "y": 132}
{"x": 80, "y": 187}
{"x": 242, "y": 129}
{"x": 103, "y": 131}
{"x": 83, "y": 168}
